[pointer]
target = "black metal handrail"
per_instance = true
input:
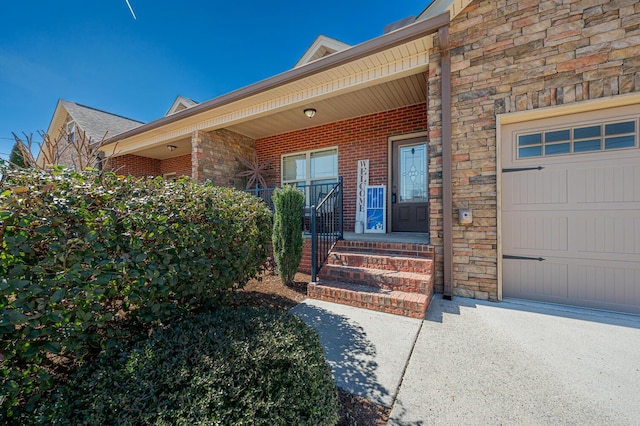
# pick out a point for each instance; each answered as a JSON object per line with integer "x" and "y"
{"x": 326, "y": 227}
{"x": 314, "y": 194}
{"x": 322, "y": 221}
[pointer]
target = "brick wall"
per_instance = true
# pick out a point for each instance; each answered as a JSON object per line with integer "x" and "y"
{"x": 305, "y": 261}
{"x": 134, "y": 165}
{"x": 357, "y": 139}
{"x": 180, "y": 165}
{"x": 214, "y": 156}
{"x": 517, "y": 55}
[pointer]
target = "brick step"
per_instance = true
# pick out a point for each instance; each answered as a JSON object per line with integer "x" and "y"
{"x": 388, "y": 262}
{"x": 362, "y": 296}
{"x": 389, "y": 280}
{"x": 384, "y": 248}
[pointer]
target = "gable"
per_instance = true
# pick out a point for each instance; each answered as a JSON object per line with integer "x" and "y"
{"x": 181, "y": 103}
{"x": 321, "y": 47}
{"x": 96, "y": 124}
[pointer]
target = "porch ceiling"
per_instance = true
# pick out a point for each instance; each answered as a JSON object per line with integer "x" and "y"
{"x": 343, "y": 85}
{"x": 389, "y": 95}
{"x": 161, "y": 152}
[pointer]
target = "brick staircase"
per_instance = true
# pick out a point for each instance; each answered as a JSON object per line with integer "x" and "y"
{"x": 389, "y": 277}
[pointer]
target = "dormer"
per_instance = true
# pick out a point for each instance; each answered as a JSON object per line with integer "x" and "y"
{"x": 323, "y": 46}
{"x": 181, "y": 103}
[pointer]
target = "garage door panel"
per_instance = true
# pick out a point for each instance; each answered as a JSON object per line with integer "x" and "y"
{"x": 595, "y": 284}
{"x": 534, "y": 188}
{"x": 611, "y": 234}
{"x": 578, "y": 211}
{"x": 616, "y": 183}
{"x": 535, "y": 232}
{"x": 606, "y": 285}
{"x": 545, "y": 280}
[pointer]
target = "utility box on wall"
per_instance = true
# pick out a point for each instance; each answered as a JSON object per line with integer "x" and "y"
{"x": 465, "y": 217}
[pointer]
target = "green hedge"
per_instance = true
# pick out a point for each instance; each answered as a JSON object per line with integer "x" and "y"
{"x": 84, "y": 256}
{"x": 228, "y": 367}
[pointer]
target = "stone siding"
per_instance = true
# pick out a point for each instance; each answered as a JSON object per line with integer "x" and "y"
{"x": 214, "y": 157}
{"x": 508, "y": 56}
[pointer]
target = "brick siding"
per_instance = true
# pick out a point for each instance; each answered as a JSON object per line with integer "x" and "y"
{"x": 509, "y": 56}
{"x": 180, "y": 165}
{"x": 357, "y": 139}
{"x": 213, "y": 158}
{"x": 134, "y": 165}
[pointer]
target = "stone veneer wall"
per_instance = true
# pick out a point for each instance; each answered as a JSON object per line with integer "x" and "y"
{"x": 507, "y": 56}
{"x": 214, "y": 156}
{"x": 357, "y": 139}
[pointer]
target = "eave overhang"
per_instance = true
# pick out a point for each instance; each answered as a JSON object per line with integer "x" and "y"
{"x": 399, "y": 54}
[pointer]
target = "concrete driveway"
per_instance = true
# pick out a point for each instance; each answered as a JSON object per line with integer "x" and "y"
{"x": 516, "y": 362}
{"x": 472, "y": 362}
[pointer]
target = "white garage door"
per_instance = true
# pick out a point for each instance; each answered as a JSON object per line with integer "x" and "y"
{"x": 570, "y": 210}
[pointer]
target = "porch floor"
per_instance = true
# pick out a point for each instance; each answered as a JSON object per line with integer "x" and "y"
{"x": 392, "y": 237}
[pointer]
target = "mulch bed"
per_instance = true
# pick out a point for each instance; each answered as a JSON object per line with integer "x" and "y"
{"x": 270, "y": 291}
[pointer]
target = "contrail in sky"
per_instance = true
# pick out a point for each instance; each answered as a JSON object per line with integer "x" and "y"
{"x": 131, "y": 9}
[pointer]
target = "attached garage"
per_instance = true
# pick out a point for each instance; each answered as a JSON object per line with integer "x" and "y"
{"x": 570, "y": 207}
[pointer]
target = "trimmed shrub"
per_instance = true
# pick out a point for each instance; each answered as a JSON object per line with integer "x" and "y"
{"x": 84, "y": 256}
{"x": 230, "y": 367}
{"x": 288, "y": 240}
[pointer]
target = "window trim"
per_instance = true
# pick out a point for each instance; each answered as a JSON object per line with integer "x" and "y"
{"x": 308, "y": 180}
{"x": 572, "y": 140}
{"x": 71, "y": 134}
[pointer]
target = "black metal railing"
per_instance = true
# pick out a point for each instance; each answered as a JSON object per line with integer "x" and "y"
{"x": 326, "y": 227}
{"x": 263, "y": 193}
{"x": 321, "y": 217}
{"x": 314, "y": 193}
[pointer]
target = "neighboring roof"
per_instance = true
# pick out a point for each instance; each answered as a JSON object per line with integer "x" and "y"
{"x": 320, "y": 48}
{"x": 438, "y": 7}
{"x": 179, "y": 104}
{"x": 96, "y": 123}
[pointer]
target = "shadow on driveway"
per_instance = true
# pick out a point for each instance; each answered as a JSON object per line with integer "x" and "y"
{"x": 453, "y": 306}
{"x": 350, "y": 354}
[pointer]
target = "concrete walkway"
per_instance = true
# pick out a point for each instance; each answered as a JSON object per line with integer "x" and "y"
{"x": 482, "y": 363}
{"x": 367, "y": 350}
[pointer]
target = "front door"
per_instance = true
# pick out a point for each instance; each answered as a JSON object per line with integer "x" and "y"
{"x": 409, "y": 195}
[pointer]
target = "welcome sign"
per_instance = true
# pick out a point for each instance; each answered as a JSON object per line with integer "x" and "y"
{"x": 361, "y": 190}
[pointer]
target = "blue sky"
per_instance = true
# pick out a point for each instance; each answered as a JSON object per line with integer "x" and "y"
{"x": 95, "y": 53}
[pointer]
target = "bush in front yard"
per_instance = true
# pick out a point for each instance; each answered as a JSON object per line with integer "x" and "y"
{"x": 288, "y": 240}
{"x": 83, "y": 255}
{"x": 230, "y": 367}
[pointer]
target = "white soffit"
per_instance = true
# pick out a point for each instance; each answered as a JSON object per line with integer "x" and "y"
{"x": 391, "y": 64}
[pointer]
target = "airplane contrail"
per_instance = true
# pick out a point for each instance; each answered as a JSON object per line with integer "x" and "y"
{"x": 131, "y": 9}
